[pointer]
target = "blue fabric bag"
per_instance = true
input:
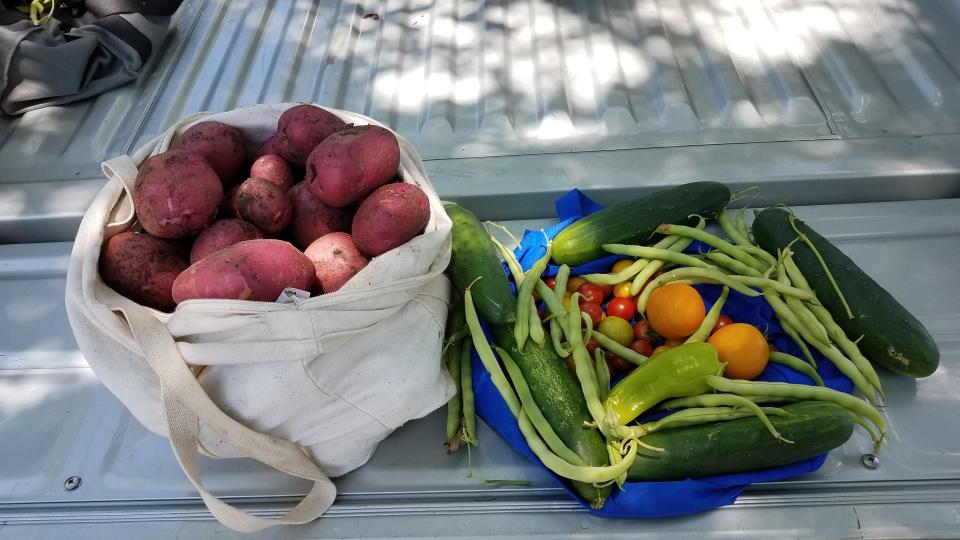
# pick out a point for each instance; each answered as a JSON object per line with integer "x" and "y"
{"x": 657, "y": 499}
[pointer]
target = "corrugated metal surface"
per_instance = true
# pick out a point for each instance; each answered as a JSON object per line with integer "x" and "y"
{"x": 57, "y": 421}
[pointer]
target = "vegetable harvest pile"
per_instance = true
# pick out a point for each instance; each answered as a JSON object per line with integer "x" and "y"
{"x": 208, "y": 233}
{"x": 627, "y": 375}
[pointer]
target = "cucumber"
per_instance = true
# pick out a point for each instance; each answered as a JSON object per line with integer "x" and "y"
{"x": 742, "y": 445}
{"x": 635, "y": 221}
{"x": 892, "y": 336}
{"x": 474, "y": 255}
{"x": 560, "y": 398}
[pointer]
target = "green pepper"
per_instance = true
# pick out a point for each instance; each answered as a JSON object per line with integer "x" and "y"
{"x": 678, "y": 372}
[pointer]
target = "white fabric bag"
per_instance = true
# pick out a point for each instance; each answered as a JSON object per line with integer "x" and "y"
{"x": 309, "y": 388}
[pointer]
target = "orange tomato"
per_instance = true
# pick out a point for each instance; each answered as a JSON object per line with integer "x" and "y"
{"x": 743, "y": 348}
{"x": 622, "y": 290}
{"x": 621, "y": 265}
{"x": 675, "y": 310}
{"x": 574, "y": 283}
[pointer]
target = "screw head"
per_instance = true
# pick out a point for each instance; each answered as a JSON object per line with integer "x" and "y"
{"x": 870, "y": 461}
{"x": 72, "y": 483}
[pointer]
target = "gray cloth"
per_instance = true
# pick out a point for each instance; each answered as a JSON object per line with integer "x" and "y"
{"x": 43, "y": 65}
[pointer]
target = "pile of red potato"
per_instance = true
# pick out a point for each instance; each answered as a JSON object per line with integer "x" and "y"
{"x": 210, "y": 233}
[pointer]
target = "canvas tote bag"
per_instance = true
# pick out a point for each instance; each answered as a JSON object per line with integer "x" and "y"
{"x": 308, "y": 387}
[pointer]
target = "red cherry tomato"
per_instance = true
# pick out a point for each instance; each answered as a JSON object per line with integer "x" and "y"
{"x": 550, "y": 282}
{"x": 659, "y": 349}
{"x": 542, "y": 312}
{"x": 642, "y": 346}
{"x": 641, "y": 330}
{"x": 607, "y": 291}
{"x": 594, "y": 310}
{"x": 591, "y": 345}
{"x": 621, "y": 307}
{"x": 591, "y": 293}
{"x": 618, "y": 365}
{"x": 721, "y": 322}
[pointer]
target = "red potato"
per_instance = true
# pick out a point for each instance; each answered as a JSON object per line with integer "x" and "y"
{"x": 390, "y": 217}
{"x": 264, "y": 204}
{"x": 301, "y": 128}
{"x": 228, "y": 208}
{"x": 312, "y": 219}
{"x": 177, "y": 194}
{"x": 142, "y": 268}
{"x": 336, "y": 260}
{"x": 249, "y": 270}
{"x": 220, "y": 234}
{"x": 273, "y": 168}
{"x": 351, "y": 163}
{"x": 221, "y": 145}
{"x": 274, "y": 145}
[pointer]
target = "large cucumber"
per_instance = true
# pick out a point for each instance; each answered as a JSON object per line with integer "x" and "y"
{"x": 892, "y": 336}
{"x": 634, "y": 221}
{"x": 743, "y": 445}
{"x": 560, "y": 398}
{"x": 474, "y": 255}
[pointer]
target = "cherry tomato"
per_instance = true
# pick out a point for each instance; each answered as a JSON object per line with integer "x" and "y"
{"x": 722, "y": 321}
{"x": 536, "y": 296}
{"x": 661, "y": 349}
{"x": 550, "y": 282}
{"x": 574, "y": 283}
{"x": 590, "y": 293}
{"x": 642, "y": 346}
{"x": 607, "y": 291}
{"x": 641, "y": 330}
{"x": 773, "y": 348}
{"x": 542, "y": 312}
{"x": 591, "y": 345}
{"x": 616, "y": 329}
{"x": 673, "y": 342}
{"x": 618, "y": 365}
{"x": 594, "y": 310}
{"x": 622, "y": 290}
{"x": 621, "y": 265}
{"x": 621, "y": 307}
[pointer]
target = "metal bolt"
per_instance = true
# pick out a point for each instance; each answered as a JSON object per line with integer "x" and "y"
{"x": 870, "y": 461}
{"x": 72, "y": 483}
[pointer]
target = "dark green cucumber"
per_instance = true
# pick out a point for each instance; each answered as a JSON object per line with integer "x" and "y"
{"x": 742, "y": 445}
{"x": 634, "y": 221}
{"x": 474, "y": 255}
{"x": 892, "y": 336}
{"x": 560, "y": 398}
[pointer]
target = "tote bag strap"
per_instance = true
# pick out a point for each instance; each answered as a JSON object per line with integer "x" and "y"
{"x": 186, "y": 404}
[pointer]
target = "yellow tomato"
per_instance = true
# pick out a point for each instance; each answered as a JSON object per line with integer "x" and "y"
{"x": 621, "y": 265}
{"x": 622, "y": 290}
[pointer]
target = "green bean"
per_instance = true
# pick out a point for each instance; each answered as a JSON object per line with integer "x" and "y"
{"x": 533, "y": 320}
{"x": 630, "y": 271}
{"x": 866, "y": 427}
{"x": 793, "y": 362}
{"x": 556, "y": 336}
{"x": 529, "y": 405}
{"x": 691, "y": 272}
{"x": 612, "y": 346}
{"x": 790, "y": 331}
{"x": 679, "y": 244}
{"x": 536, "y": 325}
{"x": 741, "y": 224}
{"x": 804, "y": 315}
{"x": 823, "y": 264}
{"x": 759, "y": 252}
{"x": 727, "y": 400}
{"x": 727, "y": 261}
{"x": 486, "y": 355}
{"x": 833, "y": 329}
{"x": 560, "y": 281}
{"x": 844, "y": 364}
{"x": 770, "y": 399}
{"x": 521, "y": 329}
{"x": 693, "y": 417}
{"x": 800, "y": 391}
{"x": 657, "y": 254}
{"x": 730, "y": 230}
{"x": 710, "y": 320}
{"x": 603, "y": 374}
{"x": 455, "y": 405}
{"x": 466, "y": 390}
{"x": 785, "y": 290}
{"x": 734, "y": 251}
{"x": 582, "y": 365}
{"x": 577, "y": 473}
